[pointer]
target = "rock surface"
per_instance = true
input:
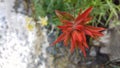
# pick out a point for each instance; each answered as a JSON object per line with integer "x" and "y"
{"x": 17, "y": 49}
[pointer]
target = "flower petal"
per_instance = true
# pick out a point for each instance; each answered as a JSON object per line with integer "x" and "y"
{"x": 60, "y": 38}
{"x": 66, "y": 22}
{"x": 73, "y": 43}
{"x": 96, "y": 29}
{"x": 78, "y": 36}
{"x": 82, "y": 49}
{"x": 79, "y": 27}
{"x": 87, "y": 20}
{"x": 66, "y": 38}
{"x": 65, "y": 26}
{"x": 84, "y": 40}
{"x": 84, "y": 15}
{"x": 93, "y": 33}
{"x": 64, "y": 15}
{"x": 88, "y": 33}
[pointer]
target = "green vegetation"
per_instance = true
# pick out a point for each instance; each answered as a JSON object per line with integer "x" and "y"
{"x": 103, "y": 12}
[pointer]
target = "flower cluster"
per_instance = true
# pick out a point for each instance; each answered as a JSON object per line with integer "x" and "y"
{"x": 74, "y": 30}
{"x": 30, "y": 23}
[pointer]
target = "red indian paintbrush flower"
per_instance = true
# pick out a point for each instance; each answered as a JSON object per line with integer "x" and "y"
{"x": 76, "y": 29}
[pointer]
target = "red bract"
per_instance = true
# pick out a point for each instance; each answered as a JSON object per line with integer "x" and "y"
{"x": 76, "y": 29}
